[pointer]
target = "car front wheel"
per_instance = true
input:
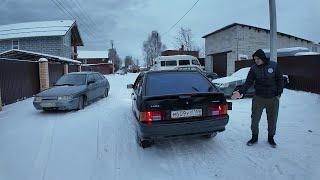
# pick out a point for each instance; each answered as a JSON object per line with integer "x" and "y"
{"x": 81, "y": 103}
{"x": 106, "y": 93}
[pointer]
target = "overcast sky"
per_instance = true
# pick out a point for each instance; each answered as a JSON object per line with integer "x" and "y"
{"x": 128, "y": 22}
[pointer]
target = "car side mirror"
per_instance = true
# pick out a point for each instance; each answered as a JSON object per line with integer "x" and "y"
{"x": 90, "y": 82}
{"x": 129, "y": 86}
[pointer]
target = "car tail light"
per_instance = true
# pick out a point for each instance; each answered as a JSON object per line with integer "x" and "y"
{"x": 151, "y": 116}
{"x": 217, "y": 110}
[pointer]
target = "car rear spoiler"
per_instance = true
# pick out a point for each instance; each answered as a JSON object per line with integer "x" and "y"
{"x": 182, "y": 96}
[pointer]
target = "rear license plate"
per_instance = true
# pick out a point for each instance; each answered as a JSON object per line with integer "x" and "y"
{"x": 186, "y": 113}
{"x": 48, "y": 105}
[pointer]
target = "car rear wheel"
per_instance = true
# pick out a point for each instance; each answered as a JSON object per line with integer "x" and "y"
{"x": 144, "y": 143}
{"x": 210, "y": 135}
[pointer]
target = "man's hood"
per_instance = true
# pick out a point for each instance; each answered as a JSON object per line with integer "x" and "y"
{"x": 260, "y": 53}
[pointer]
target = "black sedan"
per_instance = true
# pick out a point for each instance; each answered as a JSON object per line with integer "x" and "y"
{"x": 174, "y": 103}
{"x": 73, "y": 91}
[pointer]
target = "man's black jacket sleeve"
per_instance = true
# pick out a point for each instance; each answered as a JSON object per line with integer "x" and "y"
{"x": 249, "y": 82}
{"x": 279, "y": 81}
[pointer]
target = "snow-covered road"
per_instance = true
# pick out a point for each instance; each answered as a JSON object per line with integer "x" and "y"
{"x": 99, "y": 143}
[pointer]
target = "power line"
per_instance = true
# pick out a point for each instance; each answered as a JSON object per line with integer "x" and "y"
{"x": 81, "y": 17}
{"x": 85, "y": 13}
{"x": 78, "y": 17}
{"x": 181, "y": 18}
{"x": 66, "y": 11}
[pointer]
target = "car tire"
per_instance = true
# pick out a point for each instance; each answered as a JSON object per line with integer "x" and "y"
{"x": 143, "y": 143}
{"x": 106, "y": 93}
{"x": 210, "y": 135}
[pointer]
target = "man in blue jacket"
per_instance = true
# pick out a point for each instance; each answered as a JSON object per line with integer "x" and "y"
{"x": 268, "y": 83}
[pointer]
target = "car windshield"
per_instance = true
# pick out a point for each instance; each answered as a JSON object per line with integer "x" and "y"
{"x": 177, "y": 83}
{"x": 72, "y": 80}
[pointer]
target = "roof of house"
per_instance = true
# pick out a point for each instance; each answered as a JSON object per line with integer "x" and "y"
{"x": 253, "y": 27}
{"x": 29, "y": 55}
{"x": 41, "y": 29}
{"x": 92, "y": 54}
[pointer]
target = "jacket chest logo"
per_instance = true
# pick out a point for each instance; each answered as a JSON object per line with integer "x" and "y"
{"x": 270, "y": 70}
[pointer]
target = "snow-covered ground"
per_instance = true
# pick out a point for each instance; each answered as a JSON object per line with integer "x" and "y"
{"x": 99, "y": 143}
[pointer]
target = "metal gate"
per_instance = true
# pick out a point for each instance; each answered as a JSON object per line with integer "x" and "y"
{"x": 18, "y": 80}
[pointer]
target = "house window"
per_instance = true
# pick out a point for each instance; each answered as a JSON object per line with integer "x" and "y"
{"x": 15, "y": 44}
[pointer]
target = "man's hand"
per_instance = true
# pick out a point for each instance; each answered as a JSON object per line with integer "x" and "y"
{"x": 236, "y": 95}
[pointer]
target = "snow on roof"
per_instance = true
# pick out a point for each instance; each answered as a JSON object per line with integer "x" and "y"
{"x": 306, "y": 53}
{"x": 176, "y": 57}
{"x": 59, "y": 58}
{"x": 35, "y": 29}
{"x": 92, "y": 54}
{"x": 291, "y": 49}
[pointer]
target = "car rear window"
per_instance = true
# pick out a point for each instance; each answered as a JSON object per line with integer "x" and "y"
{"x": 168, "y": 83}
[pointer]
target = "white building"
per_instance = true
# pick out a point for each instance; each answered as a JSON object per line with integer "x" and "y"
{"x": 237, "y": 41}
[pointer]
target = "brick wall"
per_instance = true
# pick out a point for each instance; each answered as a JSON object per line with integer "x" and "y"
{"x": 56, "y": 45}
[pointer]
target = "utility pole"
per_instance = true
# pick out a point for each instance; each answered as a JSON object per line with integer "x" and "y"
{"x": 273, "y": 30}
{"x": 113, "y": 58}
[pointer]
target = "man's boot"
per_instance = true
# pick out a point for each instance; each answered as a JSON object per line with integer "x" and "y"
{"x": 253, "y": 140}
{"x": 271, "y": 141}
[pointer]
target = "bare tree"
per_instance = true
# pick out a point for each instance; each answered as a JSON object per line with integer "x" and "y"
{"x": 152, "y": 47}
{"x": 114, "y": 57}
{"x": 184, "y": 38}
{"x": 128, "y": 61}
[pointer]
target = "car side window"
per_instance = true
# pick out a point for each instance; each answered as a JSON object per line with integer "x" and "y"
{"x": 91, "y": 78}
{"x": 195, "y": 62}
{"x": 97, "y": 77}
{"x": 184, "y": 62}
{"x": 139, "y": 86}
{"x": 102, "y": 76}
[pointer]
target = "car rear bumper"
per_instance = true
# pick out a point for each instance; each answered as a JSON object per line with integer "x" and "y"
{"x": 56, "y": 105}
{"x": 167, "y": 130}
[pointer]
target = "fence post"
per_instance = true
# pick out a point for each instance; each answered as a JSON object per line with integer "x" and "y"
{"x": 79, "y": 68}
{"x": 0, "y": 101}
{"x": 65, "y": 68}
{"x": 43, "y": 74}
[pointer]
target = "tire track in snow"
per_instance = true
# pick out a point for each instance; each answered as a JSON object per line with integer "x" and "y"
{"x": 41, "y": 162}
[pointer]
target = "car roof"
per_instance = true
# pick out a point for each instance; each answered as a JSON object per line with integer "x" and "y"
{"x": 170, "y": 71}
{"x": 84, "y": 72}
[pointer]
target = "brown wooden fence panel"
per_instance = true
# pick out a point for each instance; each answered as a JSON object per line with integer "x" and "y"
{"x": 18, "y": 80}
{"x": 55, "y": 72}
{"x": 303, "y": 71}
{"x": 87, "y": 68}
{"x": 73, "y": 68}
